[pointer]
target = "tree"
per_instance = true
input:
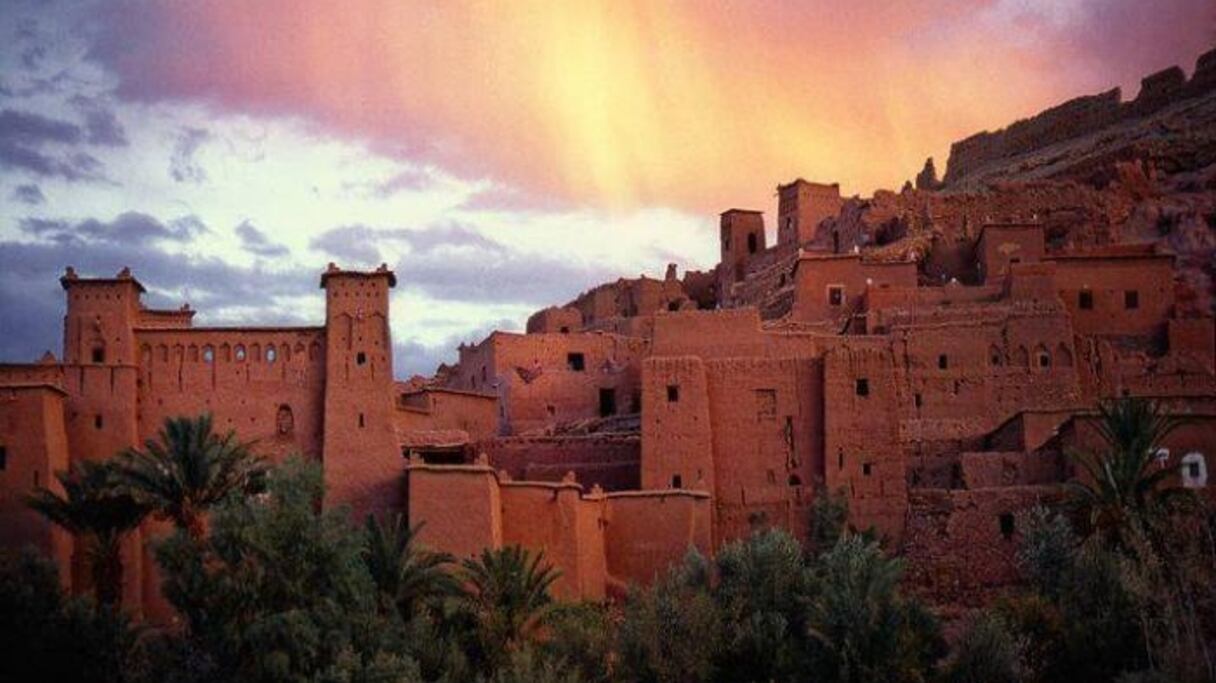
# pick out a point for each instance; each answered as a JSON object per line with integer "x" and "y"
{"x": 1125, "y": 485}
{"x": 672, "y": 630}
{"x": 45, "y": 636}
{"x": 280, "y": 591}
{"x": 97, "y": 509}
{"x": 507, "y": 593}
{"x": 405, "y": 575}
{"x": 861, "y": 627}
{"x": 187, "y": 469}
{"x": 989, "y": 652}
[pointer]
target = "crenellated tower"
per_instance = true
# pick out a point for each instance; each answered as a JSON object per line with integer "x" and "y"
{"x": 361, "y": 461}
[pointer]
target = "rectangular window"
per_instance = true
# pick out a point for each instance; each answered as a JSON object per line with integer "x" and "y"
{"x": 673, "y": 393}
{"x": 677, "y": 482}
{"x": 1086, "y": 300}
{"x": 866, "y": 469}
{"x": 1131, "y": 299}
{"x": 862, "y": 387}
{"x": 835, "y": 295}
{"x": 943, "y": 362}
{"x": 576, "y": 362}
{"x": 97, "y": 422}
{"x": 361, "y": 422}
{"x": 1007, "y": 525}
{"x": 99, "y": 355}
{"x": 766, "y": 404}
{"x": 3, "y": 458}
{"x": 918, "y": 400}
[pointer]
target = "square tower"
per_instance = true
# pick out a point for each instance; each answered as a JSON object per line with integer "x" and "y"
{"x": 801, "y": 206}
{"x": 742, "y": 238}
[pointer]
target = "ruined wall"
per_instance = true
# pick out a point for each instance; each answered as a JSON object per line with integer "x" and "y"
{"x": 610, "y": 461}
{"x": 999, "y": 245}
{"x": 555, "y": 319}
{"x": 961, "y": 545}
{"x": 1078, "y": 117}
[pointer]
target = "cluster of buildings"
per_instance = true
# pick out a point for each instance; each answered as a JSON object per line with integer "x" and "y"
{"x": 934, "y": 368}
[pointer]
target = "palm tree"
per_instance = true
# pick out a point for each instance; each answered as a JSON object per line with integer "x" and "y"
{"x": 406, "y": 575}
{"x": 507, "y": 591}
{"x": 1124, "y": 484}
{"x": 187, "y": 469}
{"x": 95, "y": 506}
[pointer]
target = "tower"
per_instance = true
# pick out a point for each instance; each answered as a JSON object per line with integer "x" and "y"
{"x": 360, "y": 456}
{"x": 801, "y": 206}
{"x": 742, "y": 233}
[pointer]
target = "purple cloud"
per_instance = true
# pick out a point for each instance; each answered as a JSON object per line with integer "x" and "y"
{"x": 256, "y": 241}
{"x": 182, "y": 165}
{"x": 28, "y": 194}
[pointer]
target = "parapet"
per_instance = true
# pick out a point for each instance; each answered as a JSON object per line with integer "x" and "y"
{"x": 383, "y": 271}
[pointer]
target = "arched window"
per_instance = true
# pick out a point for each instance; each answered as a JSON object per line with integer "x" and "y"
{"x": 240, "y": 353}
{"x": 1042, "y": 357}
{"x": 208, "y": 354}
{"x": 272, "y": 354}
{"x": 285, "y": 422}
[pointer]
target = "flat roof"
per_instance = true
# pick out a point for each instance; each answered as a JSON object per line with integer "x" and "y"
{"x": 739, "y": 211}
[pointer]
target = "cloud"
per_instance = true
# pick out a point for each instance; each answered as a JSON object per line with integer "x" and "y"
{"x": 101, "y": 125}
{"x": 28, "y": 194}
{"x": 409, "y": 179}
{"x": 256, "y": 241}
{"x": 128, "y": 229}
{"x": 183, "y": 167}
{"x": 351, "y": 244}
{"x": 24, "y": 137}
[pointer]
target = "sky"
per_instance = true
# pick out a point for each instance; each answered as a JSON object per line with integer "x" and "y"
{"x": 499, "y": 156}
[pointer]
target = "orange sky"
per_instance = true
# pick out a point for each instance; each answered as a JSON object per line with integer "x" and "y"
{"x": 694, "y": 105}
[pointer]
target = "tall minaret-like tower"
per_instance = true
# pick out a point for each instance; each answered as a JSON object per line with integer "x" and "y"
{"x": 360, "y": 454}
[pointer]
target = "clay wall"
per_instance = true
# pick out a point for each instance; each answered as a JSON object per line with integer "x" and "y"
{"x": 1004, "y": 469}
{"x": 716, "y": 334}
{"x": 556, "y": 518}
{"x": 677, "y": 434}
{"x": 150, "y": 318}
{"x": 829, "y": 288}
{"x": 648, "y": 531}
{"x": 1127, "y": 295}
{"x": 100, "y": 317}
{"x": 458, "y": 506}
{"x": 1194, "y": 338}
{"x": 767, "y": 442}
{"x": 610, "y": 461}
{"x": 266, "y": 384}
{"x": 861, "y": 438}
{"x": 625, "y": 298}
{"x": 33, "y": 447}
{"x": 434, "y": 408}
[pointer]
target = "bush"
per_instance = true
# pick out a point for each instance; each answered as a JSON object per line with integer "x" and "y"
{"x": 989, "y": 652}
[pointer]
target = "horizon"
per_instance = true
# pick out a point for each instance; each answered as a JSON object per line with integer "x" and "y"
{"x": 500, "y": 162}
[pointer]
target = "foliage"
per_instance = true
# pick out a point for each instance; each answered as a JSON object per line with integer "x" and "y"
{"x": 1124, "y": 485}
{"x": 989, "y": 652}
{"x": 187, "y": 469}
{"x": 672, "y": 630}
{"x": 829, "y": 519}
{"x": 507, "y": 594}
{"x": 580, "y": 637}
{"x": 280, "y": 592}
{"x": 863, "y": 629}
{"x": 45, "y": 636}
{"x": 95, "y": 508}
{"x": 406, "y": 576}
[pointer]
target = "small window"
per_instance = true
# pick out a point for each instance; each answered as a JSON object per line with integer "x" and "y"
{"x": 99, "y": 354}
{"x": 576, "y": 362}
{"x": 361, "y": 358}
{"x": 551, "y": 409}
{"x": 835, "y": 295}
{"x": 361, "y": 421}
{"x": 208, "y": 355}
{"x": 862, "y": 387}
{"x": 917, "y": 400}
{"x": 271, "y": 354}
{"x": 3, "y": 458}
{"x": 1007, "y": 525}
{"x": 676, "y": 482}
{"x": 673, "y": 306}
{"x": 1085, "y": 300}
{"x": 866, "y": 469}
{"x": 943, "y": 362}
{"x": 751, "y": 243}
{"x": 607, "y": 402}
{"x": 1014, "y": 260}
{"x": 1044, "y": 359}
{"x": 239, "y": 353}
{"x": 673, "y": 393}
{"x": 1131, "y": 299}
{"x": 97, "y": 422}
{"x": 565, "y": 330}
